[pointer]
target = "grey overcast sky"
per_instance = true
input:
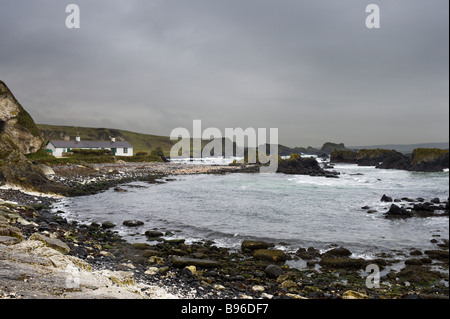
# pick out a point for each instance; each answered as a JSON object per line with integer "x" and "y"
{"x": 310, "y": 68}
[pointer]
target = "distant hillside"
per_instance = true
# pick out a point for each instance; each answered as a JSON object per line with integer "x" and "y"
{"x": 403, "y": 148}
{"x": 140, "y": 142}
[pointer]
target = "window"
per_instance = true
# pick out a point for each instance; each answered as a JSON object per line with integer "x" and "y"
{"x": 125, "y": 150}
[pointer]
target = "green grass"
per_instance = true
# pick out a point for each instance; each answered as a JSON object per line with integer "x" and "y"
{"x": 42, "y": 157}
{"x": 420, "y": 155}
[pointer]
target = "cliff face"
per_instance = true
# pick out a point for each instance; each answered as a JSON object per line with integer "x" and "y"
{"x": 18, "y": 132}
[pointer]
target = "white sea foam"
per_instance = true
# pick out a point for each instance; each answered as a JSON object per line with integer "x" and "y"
{"x": 32, "y": 193}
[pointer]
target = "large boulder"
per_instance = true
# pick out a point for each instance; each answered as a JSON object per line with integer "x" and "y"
{"x": 17, "y": 170}
{"x": 251, "y": 245}
{"x": 396, "y": 211}
{"x": 53, "y": 243}
{"x": 18, "y": 132}
{"x": 272, "y": 255}
{"x": 181, "y": 262}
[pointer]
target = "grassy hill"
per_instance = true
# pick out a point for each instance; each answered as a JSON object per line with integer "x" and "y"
{"x": 140, "y": 142}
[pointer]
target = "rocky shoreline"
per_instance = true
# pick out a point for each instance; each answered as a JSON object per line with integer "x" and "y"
{"x": 42, "y": 255}
{"x": 91, "y": 178}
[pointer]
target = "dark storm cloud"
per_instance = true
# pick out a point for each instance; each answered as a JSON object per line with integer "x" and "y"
{"x": 310, "y": 68}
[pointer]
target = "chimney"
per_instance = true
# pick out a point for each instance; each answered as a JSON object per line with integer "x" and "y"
{"x": 78, "y": 139}
{"x": 113, "y": 139}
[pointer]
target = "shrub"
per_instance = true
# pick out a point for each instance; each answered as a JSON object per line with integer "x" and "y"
{"x": 83, "y": 152}
{"x": 141, "y": 154}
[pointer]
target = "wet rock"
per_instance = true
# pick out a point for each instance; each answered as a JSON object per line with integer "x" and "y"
{"x": 418, "y": 261}
{"x": 142, "y": 246}
{"x": 133, "y": 223}
{"x": 303, "y": 166}
{"x": 153, "y": 233}
{"x": 416, "y": 252}
{"x": 396, "y": 211}
{"x": 107, "y": 225}
{"x": 181, "y": 262}
{"x": 419, "y": 274}
{"x": 273, "y": 271}
{"x": 308, "y": 254}
{"x": 273, "y": 255}
{"x": 175, "y": 241}
{"x": 151, "y": 252}
{"x": 251, "y": 245}
{"x": 337, "y": 252}
{"x": 441, "y": 255}
{"x": 342, "y": 262}
{"x": 385, "y": 198}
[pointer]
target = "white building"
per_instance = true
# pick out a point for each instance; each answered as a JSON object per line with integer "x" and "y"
{"x": 122, "y": 148}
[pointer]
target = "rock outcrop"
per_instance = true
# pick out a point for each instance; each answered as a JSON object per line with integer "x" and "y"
{"x": 429, "y": 159}
{"x": 422, "y": 159}
{"x": 18, "y": 132}
{"x": 328, "y": 147}
{"x": 343, "y": 156}
{"x": 303, "y": 166}
{"x": 17, "y": 170}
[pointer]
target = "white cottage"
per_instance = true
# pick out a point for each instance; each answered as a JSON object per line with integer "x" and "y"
{"x": 122, "y": 148}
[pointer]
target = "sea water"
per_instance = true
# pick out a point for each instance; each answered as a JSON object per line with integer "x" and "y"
{"x": 291, "y": 211}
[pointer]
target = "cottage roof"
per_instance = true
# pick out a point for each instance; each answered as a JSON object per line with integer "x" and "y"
{"x": 91, "y": 144}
